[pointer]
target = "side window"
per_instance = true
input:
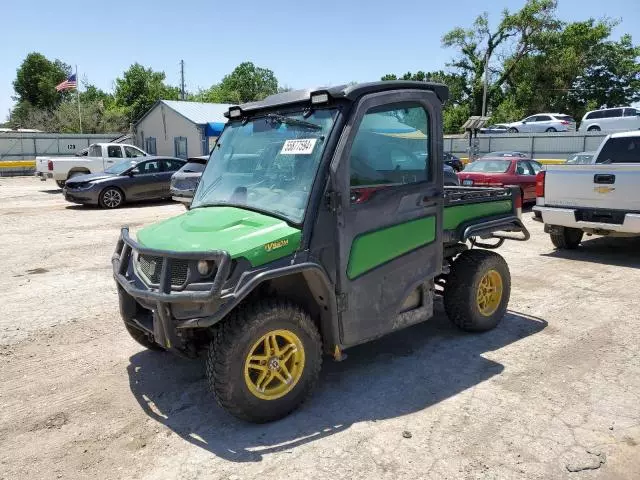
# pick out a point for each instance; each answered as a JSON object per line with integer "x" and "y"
{"x": 523, "y": 168}
{"x": 180, "y": 147}
{"x": 147, "y": 167}
{"x": 543, "y": 118}
{"x": 614, "y": 112}
{"x": 132, "y": 152}
{"x": 530, "y": 119}
{"x": 170, "y": 165}
{"x": 631, "y": 112}
{"x": 390, "y": 148}
{"x": 535, "y": 166}
{"x": 114, "y": 151}
{"x": 95, "y": 151}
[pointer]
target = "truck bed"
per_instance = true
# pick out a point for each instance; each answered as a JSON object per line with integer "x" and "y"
{"x": 480, "y": 211}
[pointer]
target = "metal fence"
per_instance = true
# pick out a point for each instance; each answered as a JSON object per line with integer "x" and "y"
{"x": 28, "y": 145}
{"x": 538, "y": 145}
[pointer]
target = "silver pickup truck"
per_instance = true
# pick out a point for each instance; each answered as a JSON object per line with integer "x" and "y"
{"x": 601, "y": 198}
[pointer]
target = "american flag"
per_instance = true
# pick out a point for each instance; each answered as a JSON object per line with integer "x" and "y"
{"x": 69, "y": 84}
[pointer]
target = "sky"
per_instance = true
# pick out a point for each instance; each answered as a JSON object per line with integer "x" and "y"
{"x": 321, "y": 43}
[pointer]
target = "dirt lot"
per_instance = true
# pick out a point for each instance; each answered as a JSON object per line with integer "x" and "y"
{"x": 554, "y": 389}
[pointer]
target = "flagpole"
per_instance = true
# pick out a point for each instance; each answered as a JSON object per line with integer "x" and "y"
{"x": 78, "y": 93}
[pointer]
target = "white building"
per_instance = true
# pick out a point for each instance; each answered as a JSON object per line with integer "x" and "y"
{"x": 180, "y": 129}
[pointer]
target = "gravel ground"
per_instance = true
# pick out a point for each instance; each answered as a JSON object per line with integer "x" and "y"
{"x": 553, "y": 392}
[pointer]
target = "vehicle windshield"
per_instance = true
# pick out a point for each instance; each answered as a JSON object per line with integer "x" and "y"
{"x": 267, "y": 164}
{"x": 488, "y": 166}
{"x": 120, "y": 167}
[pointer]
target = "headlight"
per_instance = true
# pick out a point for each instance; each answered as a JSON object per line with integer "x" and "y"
{"x": 205, "y": 268}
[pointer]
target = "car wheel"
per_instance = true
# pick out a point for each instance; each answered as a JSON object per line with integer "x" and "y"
{"x": 551, "y": 130}
{"x": 111, "y": 197}
{"x": 264, "y": 360}
{"x": 567, "y": 238}
{"x": 513, "y": 130}
{"x": 60, "y": 183}
{"x": 595, "y": 128}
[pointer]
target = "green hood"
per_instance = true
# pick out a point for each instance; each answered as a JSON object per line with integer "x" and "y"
{"x": 258, "y": 238}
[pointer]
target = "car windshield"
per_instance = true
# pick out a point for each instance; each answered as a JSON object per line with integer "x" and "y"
{"x": 120, "y": 167}
{"x": 267, "y": 164}
{"x": 488, "y": 166}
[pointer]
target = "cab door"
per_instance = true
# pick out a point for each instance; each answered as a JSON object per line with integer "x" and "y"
{"x": 387, "y": 169}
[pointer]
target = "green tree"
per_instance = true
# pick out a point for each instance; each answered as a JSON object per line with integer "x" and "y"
{"x": 516, "y": 36}
{"x": 247, "y": 83}
{"x": 36, "y": 81}
{"x": 139, "y": 88}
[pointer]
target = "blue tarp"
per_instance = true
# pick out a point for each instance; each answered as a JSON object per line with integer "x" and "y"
{"x": 214, "y": 129}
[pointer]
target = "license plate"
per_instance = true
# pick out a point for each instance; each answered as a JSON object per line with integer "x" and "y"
{"x": 467, "y": 182}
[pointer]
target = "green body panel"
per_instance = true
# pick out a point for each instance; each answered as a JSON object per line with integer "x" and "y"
{"x": 372, "y": 249}
{"x": 258, "y": 238}
{"x": 456, "y": 215}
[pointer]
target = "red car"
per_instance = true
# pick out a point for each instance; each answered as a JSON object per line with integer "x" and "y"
{"x": 500, "y": 171}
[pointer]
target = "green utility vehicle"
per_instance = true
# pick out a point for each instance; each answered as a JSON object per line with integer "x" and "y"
{"x": 320, "y": 222}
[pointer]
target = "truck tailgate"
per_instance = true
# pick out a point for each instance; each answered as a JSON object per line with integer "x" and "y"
{"x": 601, "y": 186}
{"x": 42, "y": 164}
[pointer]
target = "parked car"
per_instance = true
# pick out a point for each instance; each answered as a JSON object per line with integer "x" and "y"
{"x": 597, "y": 199}
{"x": 543, "y": 122}
{"x": 496, "y": 128}
{"x": 621, "y": 118}
{"x": 506, "y": 154}
{"x": 185, "y": 180}
{"x": 450, "y": 177}
{"x": 580, "y": 158}
{"x": 453, "y": 161}
{"x": 501, "y": 171}
{"x": 96, "y": 158}
{"x": 126, "y": 181}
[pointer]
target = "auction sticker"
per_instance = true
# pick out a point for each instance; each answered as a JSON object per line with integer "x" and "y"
{"x": 299, "y": 146}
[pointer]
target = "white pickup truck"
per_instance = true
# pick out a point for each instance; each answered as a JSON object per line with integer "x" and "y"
{"x": 96, "y": 158}
{"x": 601, "y": 198}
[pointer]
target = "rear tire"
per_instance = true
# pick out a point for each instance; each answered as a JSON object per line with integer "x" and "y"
{"x": 142, "y": 338}
{"x": 593, "y": 129}
{"x": 477, "y": 290}
{"x": 551, "y": 130}
{"x": 512, "y": 130}
{"x": 111, "y": 197}
{"x": 567, "y": 239}
{"x": 239, "y": 356}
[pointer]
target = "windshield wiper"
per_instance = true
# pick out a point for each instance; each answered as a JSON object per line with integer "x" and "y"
{"x": 293, "y": 121}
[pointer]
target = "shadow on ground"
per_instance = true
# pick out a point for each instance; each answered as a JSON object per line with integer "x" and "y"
{"x": 399, "y": 374}
{"x": 52, "y": 192}
{"x": 622, "y": 252}
{"x": 126, "y": 206}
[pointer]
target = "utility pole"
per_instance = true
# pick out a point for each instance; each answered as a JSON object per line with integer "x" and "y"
{"x": 182, "y": 95}
{"x": 485, "y": 84}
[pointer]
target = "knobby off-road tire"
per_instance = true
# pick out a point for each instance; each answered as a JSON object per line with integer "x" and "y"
{"x": 142, "y": 338}
{"x": 477, "y": 290}
{"x": 567, "y": 238}
{"x": 238, "y": 356}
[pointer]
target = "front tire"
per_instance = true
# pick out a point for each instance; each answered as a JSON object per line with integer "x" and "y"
{"x": 60, "y": 183}
{"x": 512, "y": 130}
{"x": 264, "y": 361}
{"x": 477, "y": 290}
{"x": 567, "y": 238}
{"x": 111, "y": 197}
{"x": 551, "y": 130}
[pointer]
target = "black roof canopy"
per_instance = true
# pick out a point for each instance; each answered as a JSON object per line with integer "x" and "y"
{"x": 347, "y": 92}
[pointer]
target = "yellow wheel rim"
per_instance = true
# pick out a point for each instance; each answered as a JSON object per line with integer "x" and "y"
{"x": 489, "y": 293}
{"x": 274, "y": 364}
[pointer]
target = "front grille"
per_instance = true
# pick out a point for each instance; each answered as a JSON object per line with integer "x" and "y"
{"x": 151, "y": 266}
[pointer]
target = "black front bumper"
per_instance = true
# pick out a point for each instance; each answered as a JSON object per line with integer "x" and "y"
{"x": 157, "y": 316}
